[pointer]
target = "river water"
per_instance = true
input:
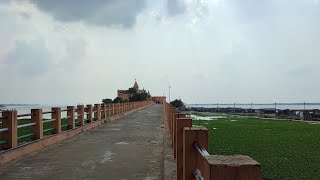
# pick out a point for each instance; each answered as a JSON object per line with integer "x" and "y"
{"x": 266, "y": 106}
{"x": 27, "y": 109}
{"x": 207, "y": 118}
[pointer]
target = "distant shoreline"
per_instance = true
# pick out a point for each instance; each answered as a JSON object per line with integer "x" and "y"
{"x": 4, "y": 105}
{"x": 254, "y": 104}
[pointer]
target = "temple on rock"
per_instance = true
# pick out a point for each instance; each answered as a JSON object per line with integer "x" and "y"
{"x": 126, "y": 94}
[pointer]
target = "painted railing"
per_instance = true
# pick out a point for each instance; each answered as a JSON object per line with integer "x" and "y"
{"x": 17, "y": 129}
{"x": 190, "y": 147}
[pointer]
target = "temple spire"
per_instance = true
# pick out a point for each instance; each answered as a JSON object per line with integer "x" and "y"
{"x": 136, "y": 86}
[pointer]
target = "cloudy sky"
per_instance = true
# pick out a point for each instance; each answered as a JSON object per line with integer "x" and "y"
{"x": 64, "y": 52}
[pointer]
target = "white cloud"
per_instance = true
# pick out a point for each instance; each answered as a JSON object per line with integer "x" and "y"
{"x": 209, "y": 51}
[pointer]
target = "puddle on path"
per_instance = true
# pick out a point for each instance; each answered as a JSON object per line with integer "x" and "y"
{"x": 114, "y": 129}
{"x": 120, "y": 143}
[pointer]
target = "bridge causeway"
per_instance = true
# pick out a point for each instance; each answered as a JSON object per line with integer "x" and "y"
{"x": 128, "y": 148}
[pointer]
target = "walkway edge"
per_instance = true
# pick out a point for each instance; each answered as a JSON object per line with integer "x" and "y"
{"x": 15, "y": 153}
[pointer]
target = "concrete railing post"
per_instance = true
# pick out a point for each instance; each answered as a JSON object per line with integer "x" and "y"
{"x": 109, "y": 110}
{"x": 97, "y": 113}
{"x": 169, "y": 120}
{"x": 116, "y": 109}
{"x": 70, "y": 117}
{"x": 218, "y": 167}
{"x": 104, "y": 106}
{"x": 192, "y": 159}
{"x": 173, "y": 112}
{"x": 113, "y": 109}
{"x": 176, "y": 116}
{"x": 36, "y": 117}
{"x": 80, "y": 113}
{"x": 89, "y": 113}
{"x": 56, "y": 115}
{"x": 10, "y": 121}
{"x": 181, "y": 124}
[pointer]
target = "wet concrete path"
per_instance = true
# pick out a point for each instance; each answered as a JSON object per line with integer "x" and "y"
{"x": 127, "y": 148}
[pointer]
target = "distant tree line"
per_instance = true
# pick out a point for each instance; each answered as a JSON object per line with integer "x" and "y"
{"x": 177, "y": 103}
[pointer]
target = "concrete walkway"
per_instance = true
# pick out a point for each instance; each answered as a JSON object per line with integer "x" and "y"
{"x": 127, "y": 148}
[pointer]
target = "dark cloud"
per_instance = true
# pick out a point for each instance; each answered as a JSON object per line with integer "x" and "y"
{"x": 33, "y": 58}
{"x": 98, "y": 12}
{"x": 4, "y": 1}
{"x": 29, "y": 58}
{"x": 176, "y": 7}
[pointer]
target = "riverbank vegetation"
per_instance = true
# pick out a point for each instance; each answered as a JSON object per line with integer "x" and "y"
{"x": 177, "y": 103}
{"x": 136, "y": 97}
{"x": 285, "y": 149}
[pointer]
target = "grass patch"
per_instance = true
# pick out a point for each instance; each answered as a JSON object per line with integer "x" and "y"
{"x": 286, "y": 150}
{"x": 25, "y": 134}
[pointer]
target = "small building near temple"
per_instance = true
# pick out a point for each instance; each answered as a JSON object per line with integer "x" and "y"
{"x": 159, "y": 99}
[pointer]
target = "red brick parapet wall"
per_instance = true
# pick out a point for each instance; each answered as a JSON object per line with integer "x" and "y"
{"x": 102, "y": 114}
{"x": 190, "y": 146}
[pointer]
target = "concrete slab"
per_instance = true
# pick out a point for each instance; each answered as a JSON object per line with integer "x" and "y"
{"x": 128, "y": 148}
